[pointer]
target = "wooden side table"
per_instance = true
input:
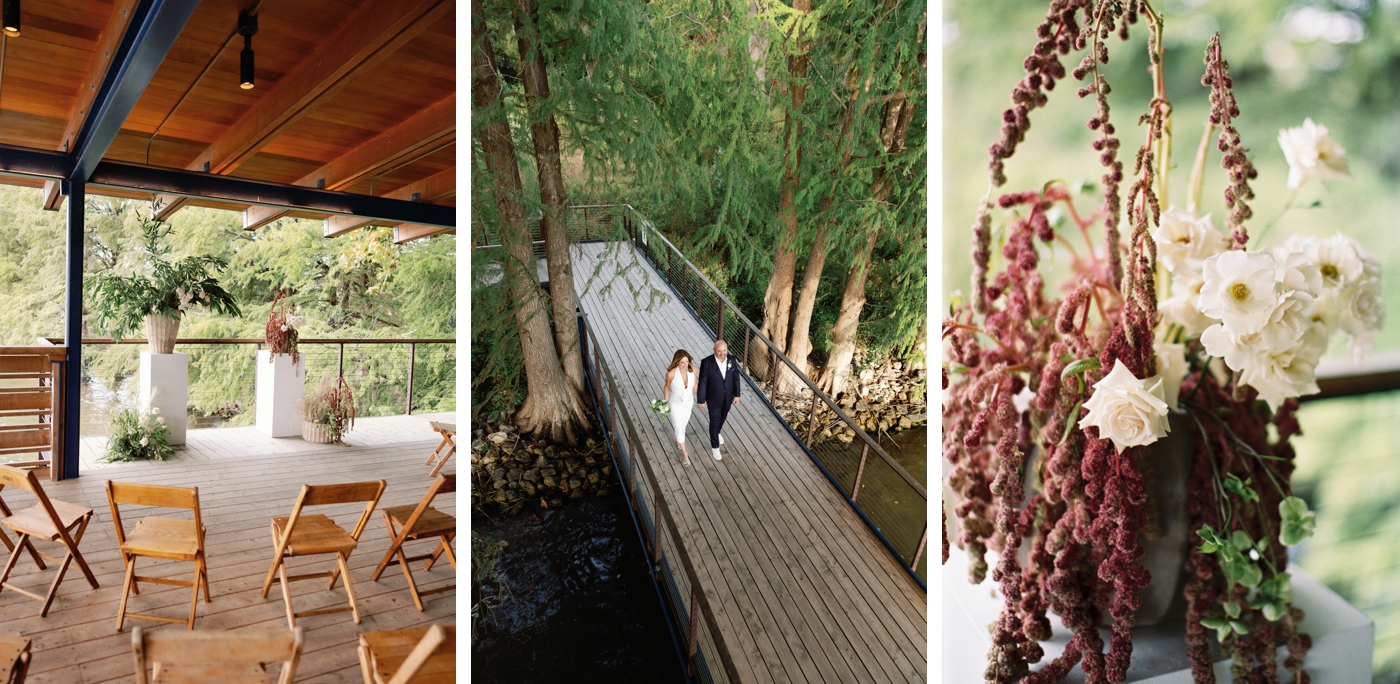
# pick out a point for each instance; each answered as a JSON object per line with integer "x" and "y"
{"x": 383, "y": 654}
{"x": 14, "y": 658}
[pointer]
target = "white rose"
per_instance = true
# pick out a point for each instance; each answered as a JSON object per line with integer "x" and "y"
{"x": 1297, "y": 272}
{"x": 144, "y": 441}
{"x": 1338, "y": 259}
{"x": 1172, "y": 368}
{"x": 1288, "y": 321}
{"x": 1126, "y": 410}
{"x": 284, "y": 328}
{"x": 1312, "y": 154}
{"x": 1181, "y": 308}
{"x": 160, "y": 419}
{"x": 1280, "y": 375}
{"x": 1239, "y": 290}
{"x": 1184, "y": 242}
{"x": 1238, "y": 352}
{"x": 1362, "y": 314}
{"x": 155, "y": 410}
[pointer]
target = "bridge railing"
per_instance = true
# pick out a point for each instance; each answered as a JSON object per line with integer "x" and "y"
{"x": 673, "y": 570}
{"x": 890, "y": 500}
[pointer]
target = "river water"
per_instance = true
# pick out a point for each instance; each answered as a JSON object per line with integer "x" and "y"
{"x": 583, "y": 607}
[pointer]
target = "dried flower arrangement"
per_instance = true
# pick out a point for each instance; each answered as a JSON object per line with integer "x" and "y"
{"x": 280, "y": 333}
{"x": 1086, "y": 383}
{"x": 332, "y": 406}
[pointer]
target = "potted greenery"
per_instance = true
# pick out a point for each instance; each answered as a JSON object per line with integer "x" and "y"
{"x": 328, "y": 412}
{"x": 139, "y": 436}
{"x": 281, "y": 377}
{"x": 158, "y": 292}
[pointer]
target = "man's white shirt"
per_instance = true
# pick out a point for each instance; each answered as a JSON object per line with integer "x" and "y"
{"x": 723, "y": 365}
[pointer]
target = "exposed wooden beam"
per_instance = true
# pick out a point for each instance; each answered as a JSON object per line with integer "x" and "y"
{"x": 432, "y": 189}
{"x": 432, "y": 128}
{"x": 367, "y": 38}
{"x": 87, "y": 92}
{"x": 407, "y": 232}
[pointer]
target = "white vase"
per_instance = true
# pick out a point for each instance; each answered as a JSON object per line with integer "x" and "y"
{"x": 161, "y": 331}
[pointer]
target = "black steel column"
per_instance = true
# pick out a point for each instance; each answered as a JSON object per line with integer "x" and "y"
{"x": 73, "y": 328}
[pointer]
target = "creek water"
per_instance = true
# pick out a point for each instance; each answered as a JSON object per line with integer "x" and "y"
{"x": 582, "y": 607}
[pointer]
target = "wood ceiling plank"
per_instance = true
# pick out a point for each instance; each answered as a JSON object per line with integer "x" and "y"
{"x": 434, "y": 127}
{"x": 87, "y": 91}
{"x": 368, "y": 37}
{"x": 433, "y": 189}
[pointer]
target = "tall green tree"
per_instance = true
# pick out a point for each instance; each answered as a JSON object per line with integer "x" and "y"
{"x": 553, "y": 408}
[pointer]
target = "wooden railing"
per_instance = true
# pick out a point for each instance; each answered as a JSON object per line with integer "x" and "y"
{"x": 31, "y": 406}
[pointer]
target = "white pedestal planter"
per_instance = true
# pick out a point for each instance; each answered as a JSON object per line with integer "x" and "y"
{"x": 165, "y": 380}
{"x": 280, "y": 387}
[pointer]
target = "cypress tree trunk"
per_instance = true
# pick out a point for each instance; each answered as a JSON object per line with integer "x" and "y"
{"x": 777, "y": 300}
{"x": 552, "y": 409}
{"x": 894, "y": 130}
{"x": 545, "y": 134}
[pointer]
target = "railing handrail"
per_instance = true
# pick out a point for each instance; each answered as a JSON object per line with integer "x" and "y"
{"x": 259, "y": 340}
{"x": 830, "y": 403}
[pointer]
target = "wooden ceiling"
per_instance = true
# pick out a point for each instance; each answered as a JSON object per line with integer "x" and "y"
{"x": 351, "y": 95}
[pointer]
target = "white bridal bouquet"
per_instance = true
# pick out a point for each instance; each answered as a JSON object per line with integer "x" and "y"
{"x": 660, "y": 406}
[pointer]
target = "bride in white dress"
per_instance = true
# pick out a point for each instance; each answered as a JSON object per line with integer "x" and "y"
{"x": 680, "y": 393}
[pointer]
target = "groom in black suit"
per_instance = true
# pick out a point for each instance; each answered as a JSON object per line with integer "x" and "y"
{"x": 719, "y": 390}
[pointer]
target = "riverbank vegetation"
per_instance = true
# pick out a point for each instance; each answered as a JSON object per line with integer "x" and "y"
{"x": 781, "y": 147}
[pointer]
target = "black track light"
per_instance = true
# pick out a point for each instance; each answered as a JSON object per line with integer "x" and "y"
{"x": 11, "y": 17}
{"x": 247, "y": 27}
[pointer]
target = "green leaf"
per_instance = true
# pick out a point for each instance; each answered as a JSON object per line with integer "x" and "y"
{"x": 1250, "y": 575}
{"x": 1243, "y": 489}
{"x": 1232, "y": 609}
{"x": 1274, "y": 610}
{"x": 1209, "y": 547}
{"x": 1080, "y": 367}
{"x": 1241, "y": 541}
{"x": 1215, "y": 623}
{"x": 1239, "y": 627}
{"x": 1296, "y": 522}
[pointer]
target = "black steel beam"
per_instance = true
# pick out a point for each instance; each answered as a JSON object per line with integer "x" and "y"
{"x": 73, "y": 332}
{"x": 47, "y": 165}
{"x": 153, "y": 28}
{"x": 167, "y": 181}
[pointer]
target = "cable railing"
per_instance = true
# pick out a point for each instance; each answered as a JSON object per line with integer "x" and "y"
{"x": 890, "y": 500}
{"x": 584, "y": 222}
{"x": 386, "y": 376}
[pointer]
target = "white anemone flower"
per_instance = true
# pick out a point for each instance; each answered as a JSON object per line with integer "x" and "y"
{"x": 1240, "y": 290}
{"x": 1184, "y": 242}
{"x": 1181, "y": 307}
{"x": 1312, "y": 154}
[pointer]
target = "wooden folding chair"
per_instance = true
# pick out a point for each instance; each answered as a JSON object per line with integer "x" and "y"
{"x": 419, "y": 655}
{"x": 155, "y": 537}
{"x": 314, "y": 535}
{"x": 14, "y": 658}
{"x": 412, "y": 523}
{"x": 449, "y": 434}
{"x": 49, "y": 520}
{"x": 215, "y": 656}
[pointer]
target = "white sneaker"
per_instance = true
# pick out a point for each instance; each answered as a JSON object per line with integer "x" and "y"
{"x": 715, "y": 453}
{"x": 721, "y": 440}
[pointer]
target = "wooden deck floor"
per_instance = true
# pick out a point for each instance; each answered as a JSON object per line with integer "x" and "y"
{"x": 802, "y": 589}
{"x": 240, "y": 487}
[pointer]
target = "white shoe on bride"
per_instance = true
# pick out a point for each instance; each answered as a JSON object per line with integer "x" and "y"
{"x": 715, "y": 453}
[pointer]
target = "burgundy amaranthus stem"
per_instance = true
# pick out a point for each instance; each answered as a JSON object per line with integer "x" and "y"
{"x": 1223, "y": 110}
{"x": 1007, "y": 662}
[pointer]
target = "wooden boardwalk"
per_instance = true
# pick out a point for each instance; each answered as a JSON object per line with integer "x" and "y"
{"x": 240, "y": 488}
{"x": 801, "y": 589}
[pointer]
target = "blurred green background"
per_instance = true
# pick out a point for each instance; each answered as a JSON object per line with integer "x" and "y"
{"x": 1337, "y": 62}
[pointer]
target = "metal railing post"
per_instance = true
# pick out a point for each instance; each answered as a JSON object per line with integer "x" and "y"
{"x": 656, "y": 532}
{"x": 923, "y": 541}
{"x": 694, "y": 630}
{"x": 812, "y": 420}
{"x": 719, "y": 305}
{"x": 340, "y": 362}
{"x": 855, "y": 489}
{"x": 412, "y": 356}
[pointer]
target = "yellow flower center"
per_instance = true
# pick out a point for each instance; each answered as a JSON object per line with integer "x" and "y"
{"x": 1239, "y": 291}
{"x": 1329, "y": 272}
